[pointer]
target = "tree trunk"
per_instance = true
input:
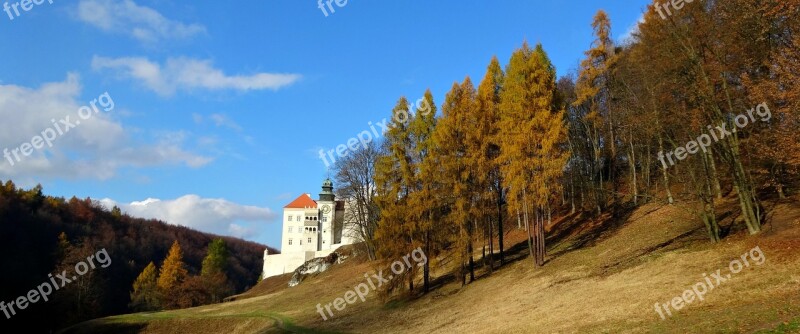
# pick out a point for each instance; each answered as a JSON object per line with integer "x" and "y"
{"x": 470, "y": 250}
{"x": 540, "y": 246}
{"x": 426, "y": 270}
{"x": 714, "y": 175}
{"x": 528, "y": 229}
{"x": 670, "y": 199}
{"x": 707, "y": 195}
{"x": 572, "y": 193}
{"x": 485, "y": 240}
{"x": 632, "y": 162}
{"x": 491, "y": 245}
{"x": 500, "y": 228}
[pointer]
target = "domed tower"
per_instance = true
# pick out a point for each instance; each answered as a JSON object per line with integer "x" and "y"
{"x": 327, "y": 211}
{"x": 327, "y": 194}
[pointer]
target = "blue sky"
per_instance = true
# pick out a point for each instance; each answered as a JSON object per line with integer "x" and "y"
{"x": 219, "y": 108}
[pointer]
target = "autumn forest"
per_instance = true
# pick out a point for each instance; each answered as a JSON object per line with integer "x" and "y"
{"x": 521, "y": 146}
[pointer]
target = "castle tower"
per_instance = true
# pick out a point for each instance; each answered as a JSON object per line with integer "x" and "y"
{"x": 327, "y": 212}
{"x": 311, "y": 229}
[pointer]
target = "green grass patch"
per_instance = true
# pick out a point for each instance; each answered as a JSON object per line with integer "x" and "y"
{"x": 394, "y": 304}
{"x": 289, "y": 325}
{"x": 785, "y": 328}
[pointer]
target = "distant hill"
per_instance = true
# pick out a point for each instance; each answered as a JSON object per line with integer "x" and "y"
{"x": 30, "y": 225}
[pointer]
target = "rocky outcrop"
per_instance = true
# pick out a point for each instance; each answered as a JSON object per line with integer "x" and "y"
{"x": 316, "y": 266}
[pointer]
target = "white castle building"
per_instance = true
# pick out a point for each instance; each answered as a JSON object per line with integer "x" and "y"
{"x": 311, "y": 229}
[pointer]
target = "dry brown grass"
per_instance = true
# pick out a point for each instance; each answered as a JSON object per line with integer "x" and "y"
{"x": 608, "y": 284}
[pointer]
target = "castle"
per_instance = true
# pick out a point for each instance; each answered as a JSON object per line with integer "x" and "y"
{"x": 311, "y": 229}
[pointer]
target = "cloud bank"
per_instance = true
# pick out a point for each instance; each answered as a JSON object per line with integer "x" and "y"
{"x": 96, "y": 149}
{"x": 188, "y": 74}
{"x": 216, "y": 216}
{"x": 142, "y": 23}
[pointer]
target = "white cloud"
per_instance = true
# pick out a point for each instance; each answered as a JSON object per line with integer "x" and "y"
{"x": 95, "y": 149}
{"x": 187, "y": 74}
{"x": 216, "y": 216}
{"x": 632, "y": 29}
{"x": 241, "y": 231}
{"x": 142, "y": 23}
{"x": 224, "y": 121}
{"x": 220, "y": 120}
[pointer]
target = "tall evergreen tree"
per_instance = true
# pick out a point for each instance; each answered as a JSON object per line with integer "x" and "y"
{"x": 145, "y": 295}
{"x": 394, "y": 179}
{"x": 593, "y": 89}
{"x": 214, "y": 273}
{"x": 486, "y": 157}
{"x": 532, "y": 131}
{"x": 216, "y": 259}
{"x": 452, "y": 154}
{"x": 173, "y": 272}
{"x": 423, "y": 204}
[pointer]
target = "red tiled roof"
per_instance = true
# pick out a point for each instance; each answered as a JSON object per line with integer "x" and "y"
{"x": 302, "y": 202}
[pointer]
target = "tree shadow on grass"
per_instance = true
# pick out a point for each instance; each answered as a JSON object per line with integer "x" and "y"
{"x": 116, "y": 328}
{"x": 576, "y": 231}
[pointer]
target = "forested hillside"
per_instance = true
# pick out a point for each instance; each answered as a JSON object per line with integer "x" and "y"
{"x": 31, "y": 224}
{"x": 695, "y": 107}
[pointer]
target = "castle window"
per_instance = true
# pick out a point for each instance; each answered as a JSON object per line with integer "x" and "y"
{"x": 325, "y": 219}
{"x": 290, "y": 242}
{"x": 309, "y": 240}
{"x": 299, "y": 219}
{"x": 290, "y": 229}
{"x": 301, "y": 242}
{"x": 290, "y": 218}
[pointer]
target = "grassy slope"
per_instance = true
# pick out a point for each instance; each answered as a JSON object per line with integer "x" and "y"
{"x": 602, "y": 277}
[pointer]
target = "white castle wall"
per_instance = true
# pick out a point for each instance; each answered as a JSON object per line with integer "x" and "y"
{"x": 279, "y": 264}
